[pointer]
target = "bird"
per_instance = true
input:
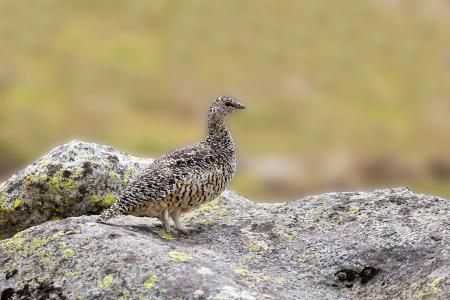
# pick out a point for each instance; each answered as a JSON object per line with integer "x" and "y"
{"x": 184, "y": 178}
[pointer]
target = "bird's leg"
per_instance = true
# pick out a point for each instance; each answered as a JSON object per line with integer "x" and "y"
{"x": 165, "y": 219}
{"x": 176, "y": 218}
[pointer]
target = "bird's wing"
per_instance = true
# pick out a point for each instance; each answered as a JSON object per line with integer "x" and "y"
{"x": 167, "y": 173}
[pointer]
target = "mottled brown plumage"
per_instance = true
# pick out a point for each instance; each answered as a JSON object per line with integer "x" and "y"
{"x": 183, "y": 179}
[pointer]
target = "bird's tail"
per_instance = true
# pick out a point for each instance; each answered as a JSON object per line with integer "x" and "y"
{"x": 113, "y": 211}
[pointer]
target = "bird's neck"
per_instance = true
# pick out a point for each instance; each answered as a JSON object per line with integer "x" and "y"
{"x": 218, "y": 133}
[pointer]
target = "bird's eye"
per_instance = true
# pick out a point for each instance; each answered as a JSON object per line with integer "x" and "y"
{"x": 228, "y": 103}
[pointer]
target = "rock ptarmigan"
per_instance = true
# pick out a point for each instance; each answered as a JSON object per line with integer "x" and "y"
{"x": 185, "y": 178}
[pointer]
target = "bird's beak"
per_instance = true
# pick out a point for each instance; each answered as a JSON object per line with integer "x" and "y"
{"x": 238, "y": 105}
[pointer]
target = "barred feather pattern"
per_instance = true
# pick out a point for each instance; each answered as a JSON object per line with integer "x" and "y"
{"x": 187, "y": 177}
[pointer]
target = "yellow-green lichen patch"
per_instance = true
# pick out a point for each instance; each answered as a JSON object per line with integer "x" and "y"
{"x": 150, "y": 282}
{"x": 94, "y": 198}
{"x": 127, "y": 177}
{"x": 33, "y": 178}
{"x": 68, "y": 253}
{"x": 13, "y": 244}
{"x": 16, "y": 242}
{"x": 46, "y": 256}
{"x": 54, "y": 183}
{"x": 109, "y": 200}
{"x": 241, "y": 272}
{"x": 125, "y": 182}
{"x": 19, "y": 242}
{"x": 17, "y": 203}
{"x": 78, "y": 172}
{"x": 354, "y": 210}
{"x": 279, "y": 280}
{"x": 37, "y": 242}
{"x": 70, "y": 184}
{"x": 179, "y": 256}
{"x": 208, "y": 206}
{"x": 165, "y": 235}
{"x": 106, "y": 282}
{"x": 125, "y": 295}
{"x": 208, "y": 222}
{"x": 78, "y": 270}
{"x": 432, "y": 288}
{"x": 267, "y": 277}
{"x": 5, "y": 208}
{"x": 276, "y": 280}
{"x": 45, "y": 260}
{"x": 44, "y": 163}
{"x": 113, "y": 175}
{"x": 253, "y": 247}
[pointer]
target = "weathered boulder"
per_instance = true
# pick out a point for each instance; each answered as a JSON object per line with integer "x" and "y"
{"x": 72, "y": 180}
{"x": 382, "y": 244}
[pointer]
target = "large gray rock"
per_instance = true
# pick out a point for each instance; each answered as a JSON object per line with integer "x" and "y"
{"x": 72, "y": 180}
{"x": 383, "y": 244}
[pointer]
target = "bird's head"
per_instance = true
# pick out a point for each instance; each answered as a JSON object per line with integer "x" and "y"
{"x": 224, "y": 105}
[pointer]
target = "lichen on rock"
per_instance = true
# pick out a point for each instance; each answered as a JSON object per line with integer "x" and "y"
{"x": 74, "y": 179}
{"x": 380, "y": 244}
{"x": 179, "y": 256}
{"x": 150, "y": 283}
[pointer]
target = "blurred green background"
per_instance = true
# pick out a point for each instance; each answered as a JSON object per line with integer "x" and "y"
{"x": 340, "y": 94}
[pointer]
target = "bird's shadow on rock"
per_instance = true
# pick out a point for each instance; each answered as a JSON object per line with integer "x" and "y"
{"x": 157, "y": 231}
{"x": 201, "y": 234}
